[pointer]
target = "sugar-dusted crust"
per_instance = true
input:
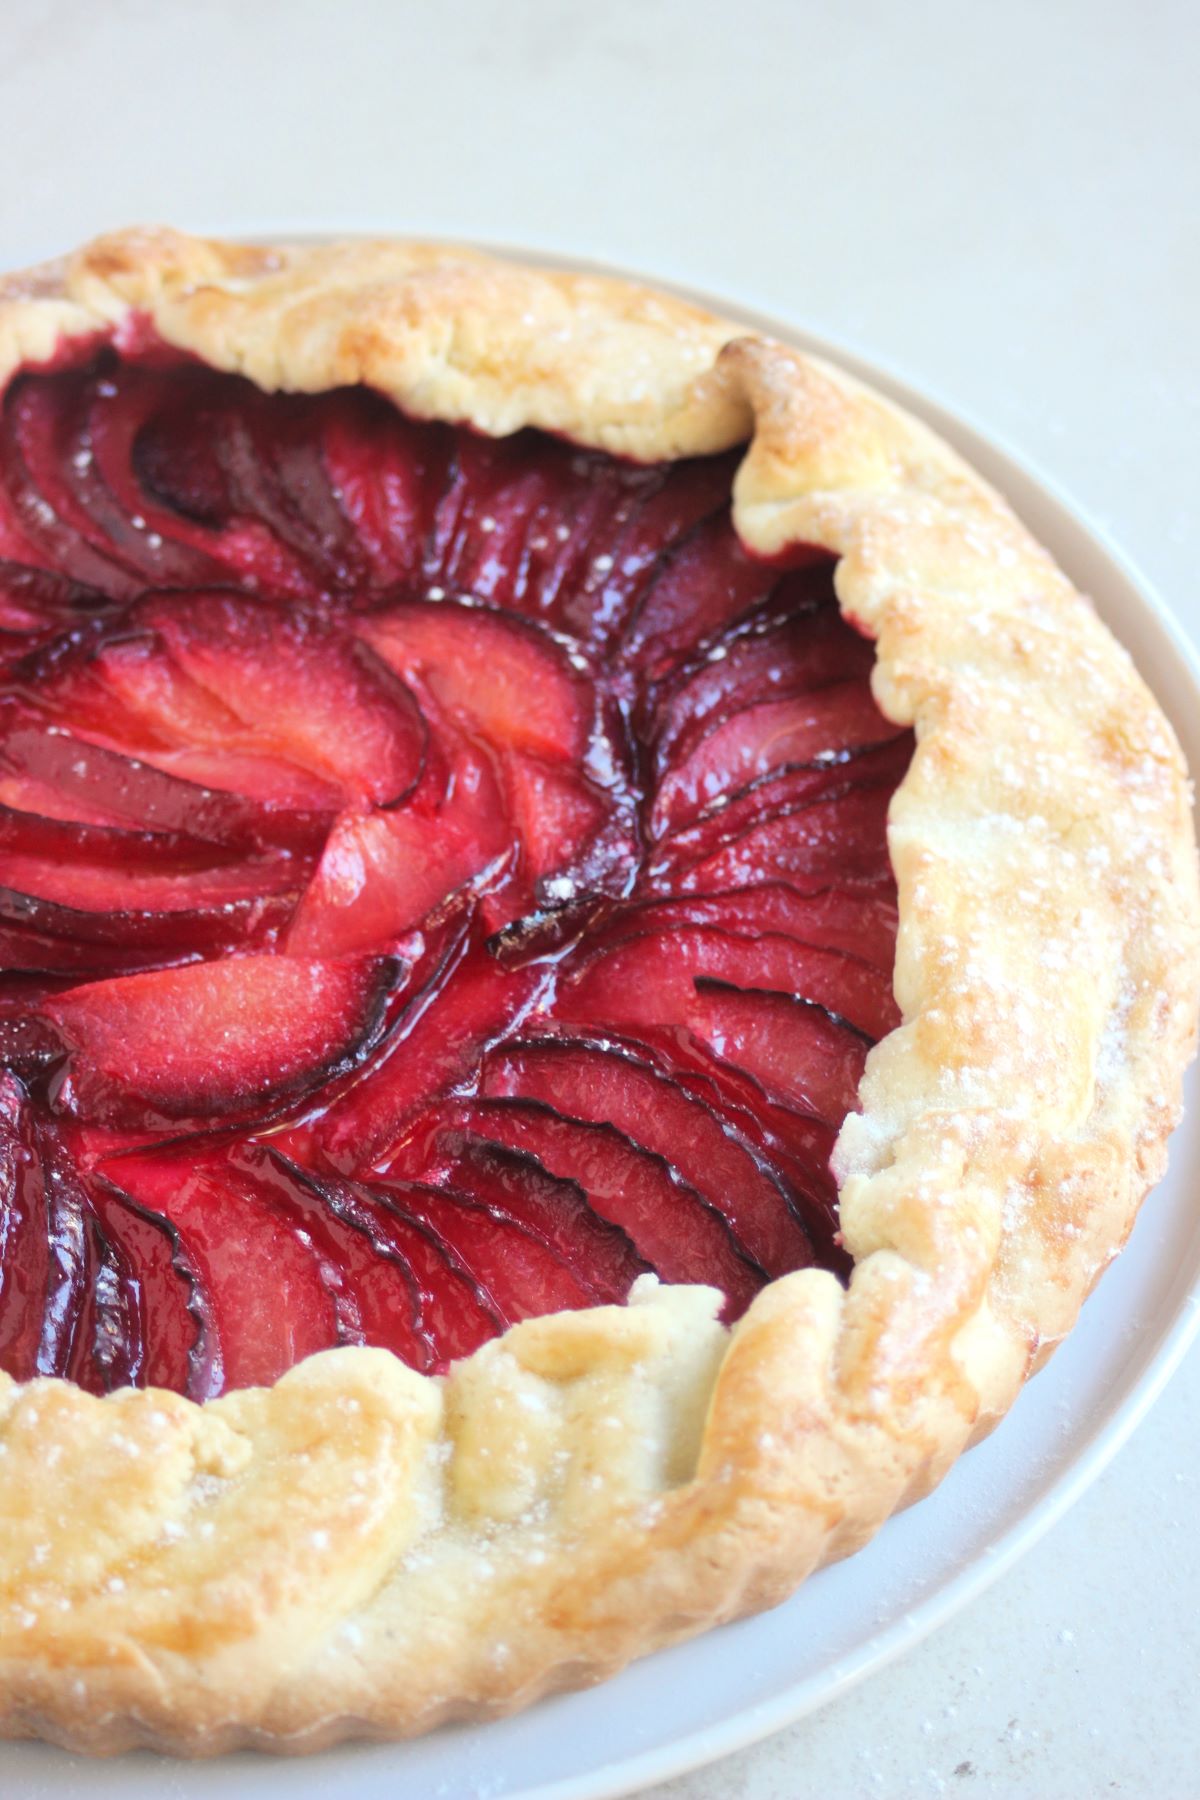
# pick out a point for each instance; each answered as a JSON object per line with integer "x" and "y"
{"x": 361, "y": 1550}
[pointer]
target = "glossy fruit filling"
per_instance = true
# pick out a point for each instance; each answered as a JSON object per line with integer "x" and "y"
{"x": 443, "y": 880}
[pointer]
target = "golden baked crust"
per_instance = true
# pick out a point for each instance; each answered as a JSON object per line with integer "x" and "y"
{"x": 362, "y": 1550}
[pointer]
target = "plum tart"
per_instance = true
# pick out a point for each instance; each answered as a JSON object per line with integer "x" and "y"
{"x": 596, "y": 951}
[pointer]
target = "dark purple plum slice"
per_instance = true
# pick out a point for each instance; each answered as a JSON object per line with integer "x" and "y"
{"x": 213, "y": 1040}
{"x": 231, "y": 1237}
{"x": 302, "y": 688}
{"x": 470, "y": 1002}
{"x": 38, "y": 600}
{"x": 24, "y": 1234}
{"x": 179, "y": 1348}
{"x": 33, "y": 462}
{"x": 387, "y": 474}
{"x": 192, "y": 464}
{"x": 25, "y": 952}
{"x": 602, "y": 1084}
{"x": 675, "y": 1229}
{"x": 744, "y": 748}
{"x": 498, "y": 675}
{"x": 513, "y": 1266}
{"x": 703, "y": 587}
{"x": 383, "y": 873}
{"x": 649, "y": 978}
{"x": 93, "y": 783}
{"x": 457, "y": 1148}
{"x": 839, "y": 839}
{"x": 798, "y": 1051}
{"x": 35, "y": 834}
{"x": 859, "y": 921}
{"x": 780, "y": 794}
{"x": 778, "y": 656}
{"x": 111, "y": 516}
{"x": 454, "y": 1315}
{"x": 377, "y": 1296}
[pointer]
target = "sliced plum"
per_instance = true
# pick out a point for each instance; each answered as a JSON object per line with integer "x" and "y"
{"x": 74, "y": 939}
{"x": 26, "y": 794}
{"x": 128, "y": 690}
{"x": 454, "y": 1315}
{"x": 382, "y": 873}
{"x": 516, "y": 1270}
{"x": 94, "y": 897}
{"x": 745, "y": 747}
{"x": 469, "y": 1002}
{"x": 302, "y": 687}
{"x": 496, "y": 530}
{"x": 179, "y": 1348}
{"x": 601, "y": 1083}
{"x": 96, "y": 487}
{"x": 126, "y": 693}
{"x": 38, "y": 600}
{"x": 861, "y": 921}
{"x": 800, "y": 1052}
{"x": 21, "y": 989}
{"x": 71, "y": 960}
{"x": 792, "y": 649}
{"x": 170, "y": 514}
{"x": 33, "y": 463}
{"x": 783, "y": 792}
{"x": 109, "y": 679}
{"x": 36, "y": 834}
{"x": 69, "y": 1273}
{"x": 572, "y": 838}
{"x": 47, "y": 1247}
{"x": 613, "y": 548}
{"x": 792, "y": 1145}
{"x": 454, "y": 1146}
{"x": 24, "y": 1235}
{"x": 703, "y": 587}
{"x": 377, "y": 1296}
{"x": 500, "y": 676}
{"x": 45, "y": 768}
{"x": 17, "y": 547}
{"x": 93, "y": 1328}
{"x": 671, "y": 1225}
{"x": 203, "y": 469}
{"x": 108, "y": 1351}
{"x": 168, "y": 531}
{"x": 214, "y": 1040}
{"x": 569, "y": 538}
{"x": 158, "y": 450}
{"x": 99, "y": 888}
{"x": 261, "y": 1281}
{"x": 841, "y": 838}
{"x": 272, "y": 450}
{"x": 387, "y": 474}
{"x": 649, "y": 978}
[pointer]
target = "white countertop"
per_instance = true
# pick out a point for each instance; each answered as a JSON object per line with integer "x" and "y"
{"x": 1002, "y": 204}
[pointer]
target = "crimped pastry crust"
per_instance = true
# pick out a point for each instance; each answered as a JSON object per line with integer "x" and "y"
{"x": 364, "y": 1551}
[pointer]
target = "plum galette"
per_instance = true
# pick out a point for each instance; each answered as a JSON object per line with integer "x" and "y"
{"x": 596, "y": 950}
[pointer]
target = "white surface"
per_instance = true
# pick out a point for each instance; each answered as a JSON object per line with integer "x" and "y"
{"x": 999, "y": 202}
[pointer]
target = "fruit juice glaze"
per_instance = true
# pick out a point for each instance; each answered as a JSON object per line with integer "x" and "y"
{"x": 443, "y": 880}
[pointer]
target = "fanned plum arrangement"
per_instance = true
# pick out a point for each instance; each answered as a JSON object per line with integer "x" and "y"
{"x": 443, "y": 880}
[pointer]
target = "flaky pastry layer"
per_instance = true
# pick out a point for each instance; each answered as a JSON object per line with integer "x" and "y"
{"x": 363, "y": 1550}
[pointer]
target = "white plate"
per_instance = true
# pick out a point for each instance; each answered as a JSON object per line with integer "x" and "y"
{"x": 688, "y": 1706}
